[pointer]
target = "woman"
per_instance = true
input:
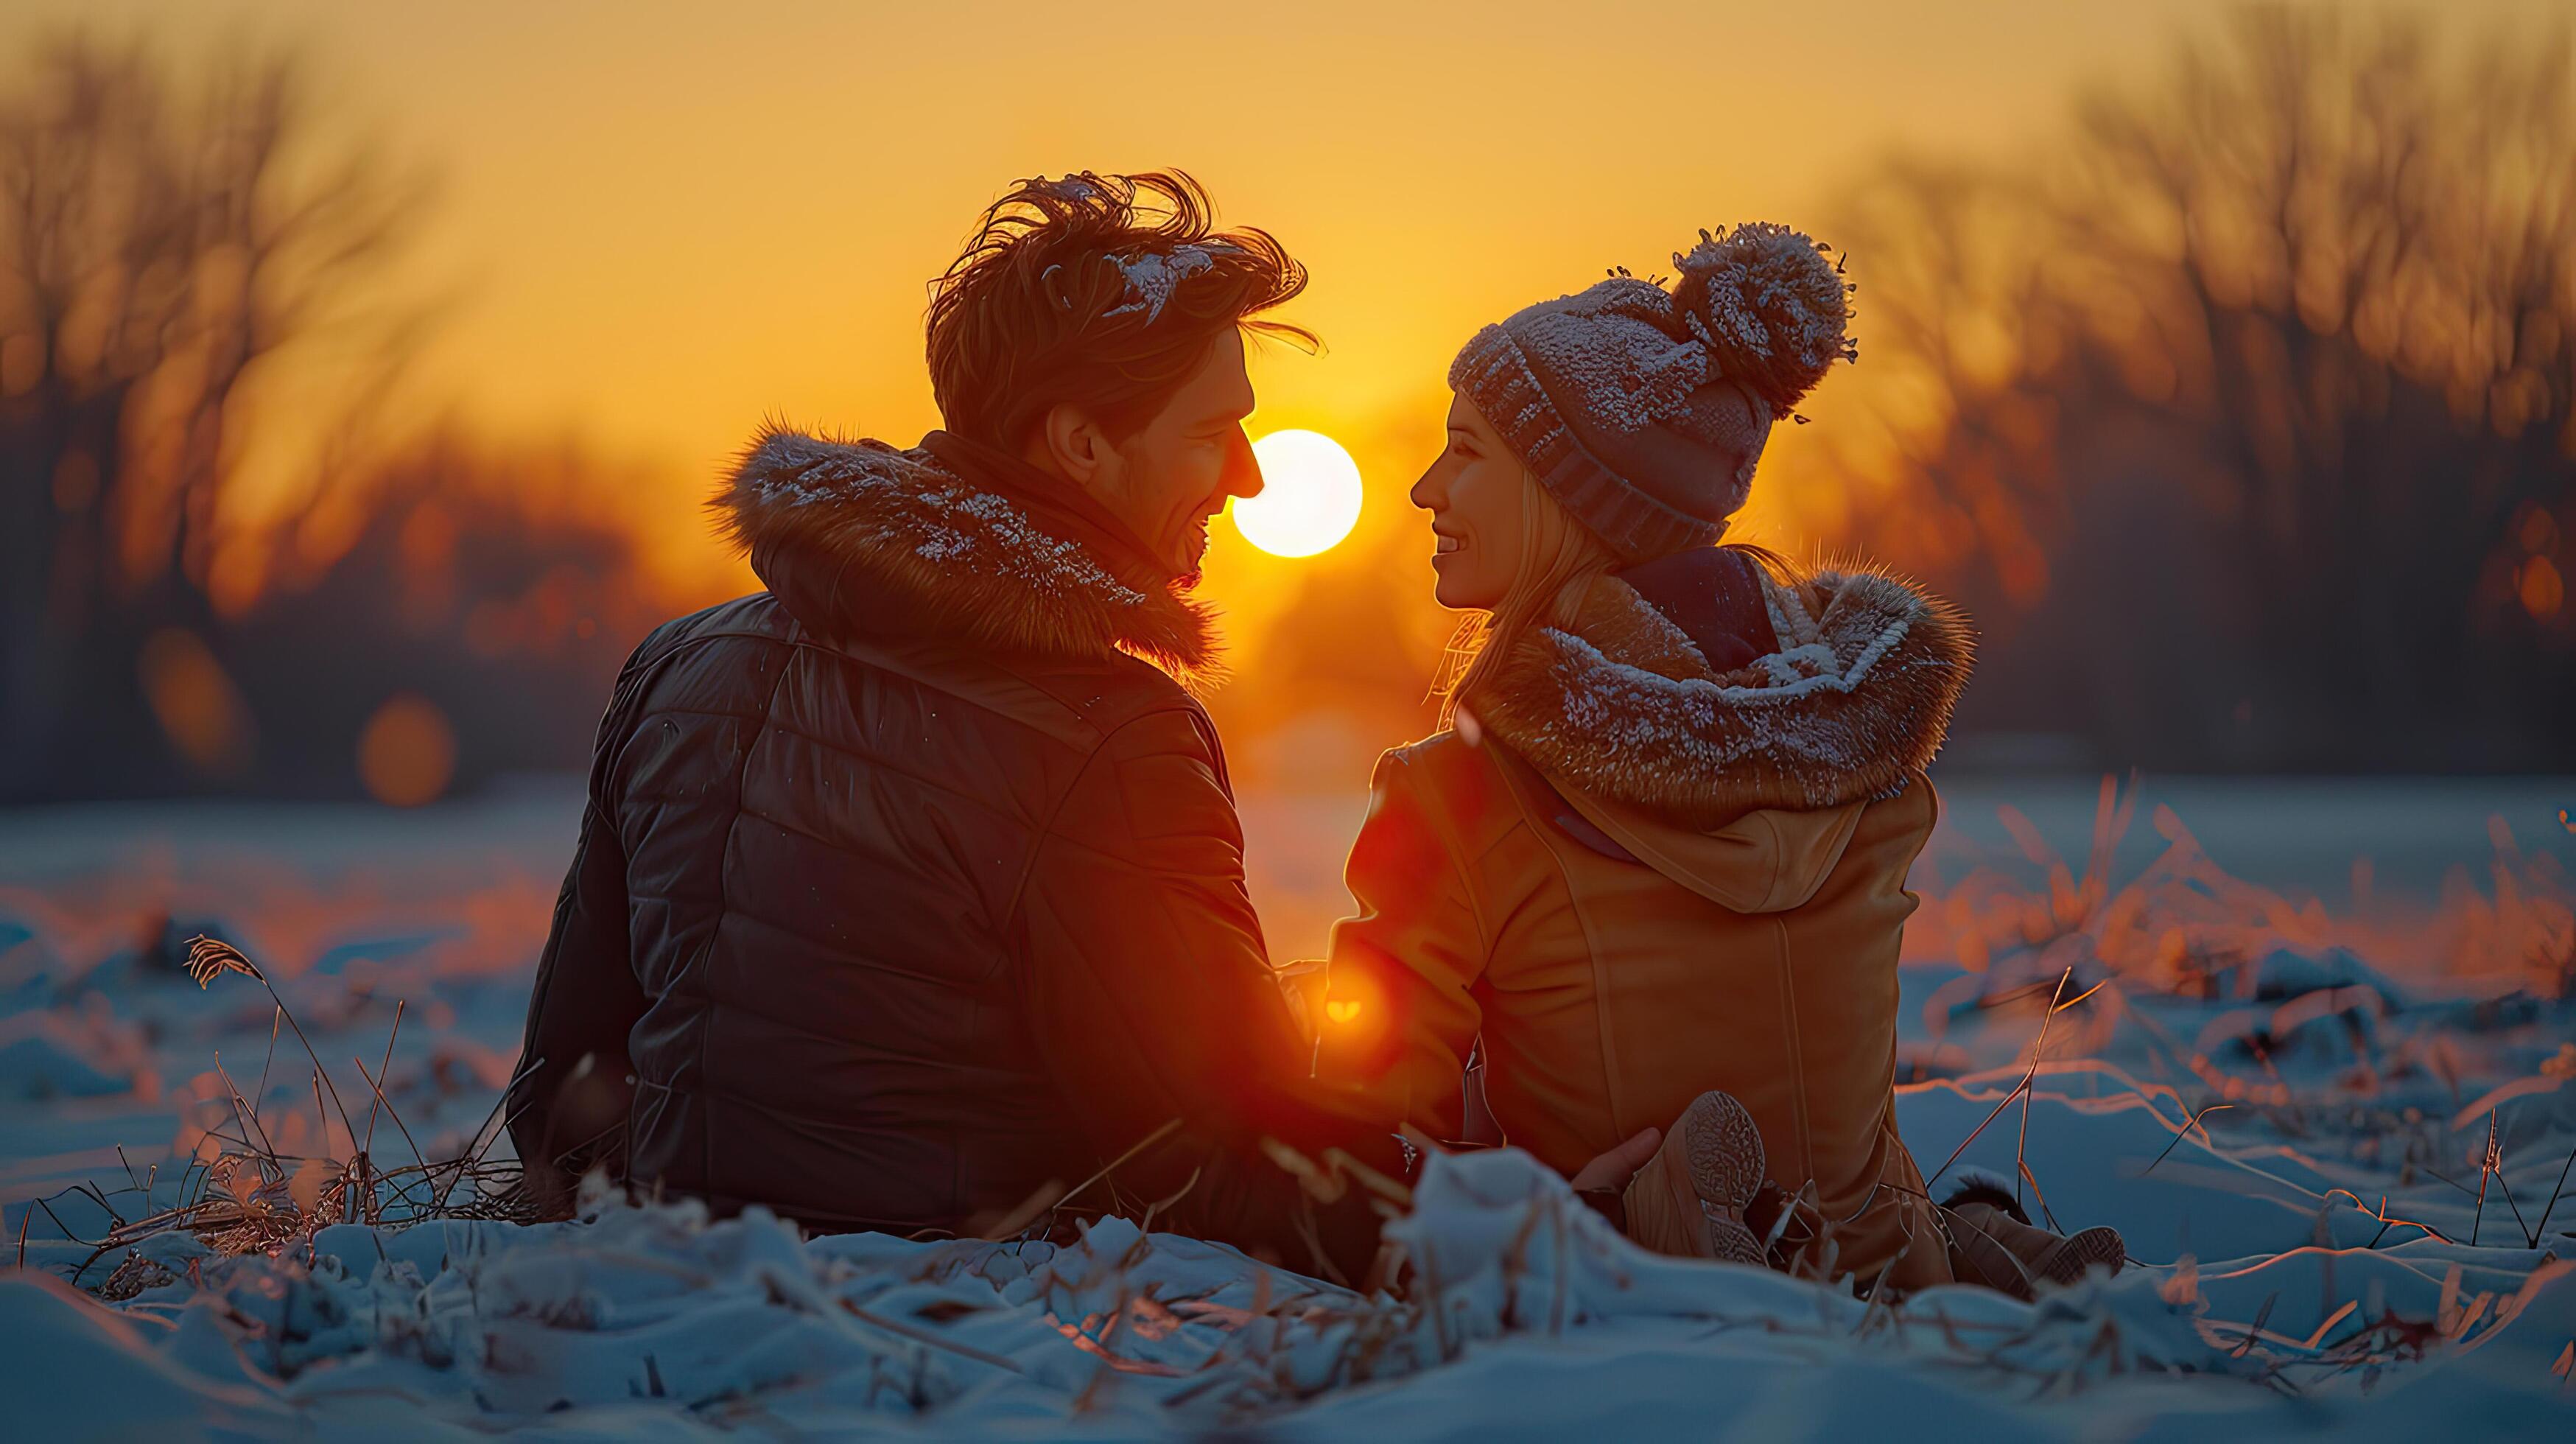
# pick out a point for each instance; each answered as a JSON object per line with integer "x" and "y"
{"x": 1661, "y": 849}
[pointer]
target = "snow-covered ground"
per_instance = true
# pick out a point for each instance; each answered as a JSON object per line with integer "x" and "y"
{"x": 2316, "y": 1257}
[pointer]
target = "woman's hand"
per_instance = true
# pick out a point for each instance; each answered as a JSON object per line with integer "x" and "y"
{"x": 1612, "y": 1170}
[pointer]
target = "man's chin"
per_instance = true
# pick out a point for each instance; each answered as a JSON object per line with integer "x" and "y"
{"x": 1188, "y": 559}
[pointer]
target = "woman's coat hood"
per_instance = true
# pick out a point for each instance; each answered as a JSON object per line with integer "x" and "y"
{"x": 1744, "y": 786}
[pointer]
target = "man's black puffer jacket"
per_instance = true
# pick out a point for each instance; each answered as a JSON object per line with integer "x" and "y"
{"x": 904, "y": 893}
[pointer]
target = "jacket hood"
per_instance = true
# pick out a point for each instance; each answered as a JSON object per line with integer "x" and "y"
{"x": 1769, "y": 860}
{"x": 1745, "y": 786}
{"x": 860, "y": 536}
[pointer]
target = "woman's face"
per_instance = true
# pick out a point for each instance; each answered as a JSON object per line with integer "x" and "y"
{"x": 1474, "y": 492}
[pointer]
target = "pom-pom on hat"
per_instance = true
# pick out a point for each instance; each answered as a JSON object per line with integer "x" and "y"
{"x": 1643, "y": 410}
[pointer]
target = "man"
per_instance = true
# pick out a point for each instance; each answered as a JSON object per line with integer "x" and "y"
{"x": 909, "y": 894}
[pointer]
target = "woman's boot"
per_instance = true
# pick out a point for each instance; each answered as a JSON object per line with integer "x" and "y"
{"x": 1993, "y": 1242}
{"x": 1689, "y": 1199}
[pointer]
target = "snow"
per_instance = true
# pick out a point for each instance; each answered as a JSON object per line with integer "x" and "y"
{"x": 53, "y": 1055}
{"x": 1534, "y": 1318}
{"x": 1072, "y": 188}
{"x": 2357, "y": 1039}
{"x": 1615, "y": 345}
{"x": 1152, "y": 276}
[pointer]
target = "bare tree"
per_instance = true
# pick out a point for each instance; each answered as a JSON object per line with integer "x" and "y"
{"x": 160, "y": 244}
{"x": 2248, "y": 414}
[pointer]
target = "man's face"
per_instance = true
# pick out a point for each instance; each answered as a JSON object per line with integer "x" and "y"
{"x": 1173, "y": 475}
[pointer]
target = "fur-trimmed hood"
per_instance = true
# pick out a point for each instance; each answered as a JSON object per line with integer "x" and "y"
{"x": 1622, "y": 706}
{"x": 939, "y": 538}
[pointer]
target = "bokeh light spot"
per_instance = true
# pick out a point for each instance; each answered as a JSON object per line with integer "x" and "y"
{"x": 2543, "y": 590}
{"x": 194, "y": 699}
{"x": 1310, "y": 495}
{"x": 407, "y": 753}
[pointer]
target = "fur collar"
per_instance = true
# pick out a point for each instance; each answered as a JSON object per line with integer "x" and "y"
{"x": 1622, "y": 706}
{"x": 859, "y": 533}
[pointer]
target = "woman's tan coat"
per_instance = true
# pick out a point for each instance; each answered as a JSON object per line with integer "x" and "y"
{"x": 1635, "y": 880}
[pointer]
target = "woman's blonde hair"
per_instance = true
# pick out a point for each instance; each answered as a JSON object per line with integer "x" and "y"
{"x": 1559, "y": 559}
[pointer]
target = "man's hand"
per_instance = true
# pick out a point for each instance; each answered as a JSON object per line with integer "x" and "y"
{"x": 1613, "y": 1169}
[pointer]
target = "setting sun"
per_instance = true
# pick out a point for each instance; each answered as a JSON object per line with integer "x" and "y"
{"x": 1310, "y": 495}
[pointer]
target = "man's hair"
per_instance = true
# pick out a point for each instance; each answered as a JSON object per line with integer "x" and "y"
{"x": 1102, "y": 291}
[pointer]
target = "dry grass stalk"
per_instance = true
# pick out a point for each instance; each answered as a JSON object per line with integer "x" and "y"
{"x": 250, "y": 1197}
{"x": 2188, "y": 1124}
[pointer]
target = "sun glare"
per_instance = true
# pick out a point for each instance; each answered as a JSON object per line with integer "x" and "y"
{"x": 1310, "y": 495}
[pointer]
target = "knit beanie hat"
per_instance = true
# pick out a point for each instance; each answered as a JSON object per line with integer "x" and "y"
{"x": 1643, "y": 410}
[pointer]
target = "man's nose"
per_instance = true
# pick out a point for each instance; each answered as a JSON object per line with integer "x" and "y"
{"x": 1242, "y": 467}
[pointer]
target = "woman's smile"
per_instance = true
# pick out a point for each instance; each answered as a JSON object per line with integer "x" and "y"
{"x": 1473, "y": 491}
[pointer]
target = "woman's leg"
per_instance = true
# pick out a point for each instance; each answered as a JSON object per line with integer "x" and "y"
{"x": 1689, "y": 1199}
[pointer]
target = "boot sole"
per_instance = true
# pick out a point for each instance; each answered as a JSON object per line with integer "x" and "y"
{"x": 2074, "y": 1258}
{"x": 1727, "y": 1166}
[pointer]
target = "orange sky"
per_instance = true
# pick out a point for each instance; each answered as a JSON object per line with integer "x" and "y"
{"x": 668, "y": 219}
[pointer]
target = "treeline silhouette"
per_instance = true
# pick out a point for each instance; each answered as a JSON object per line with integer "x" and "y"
{"x": 414, "y": 618}
{"x": 2240, "y": 410}
{"x": 2240, "y": 414}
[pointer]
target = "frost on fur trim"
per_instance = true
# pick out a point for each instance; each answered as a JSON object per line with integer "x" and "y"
{"x": 939, "y": 547}
{"x": 1770, "y": 307}
{"x": 932, "y": 512}
{"x": 1858, "y": 695}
